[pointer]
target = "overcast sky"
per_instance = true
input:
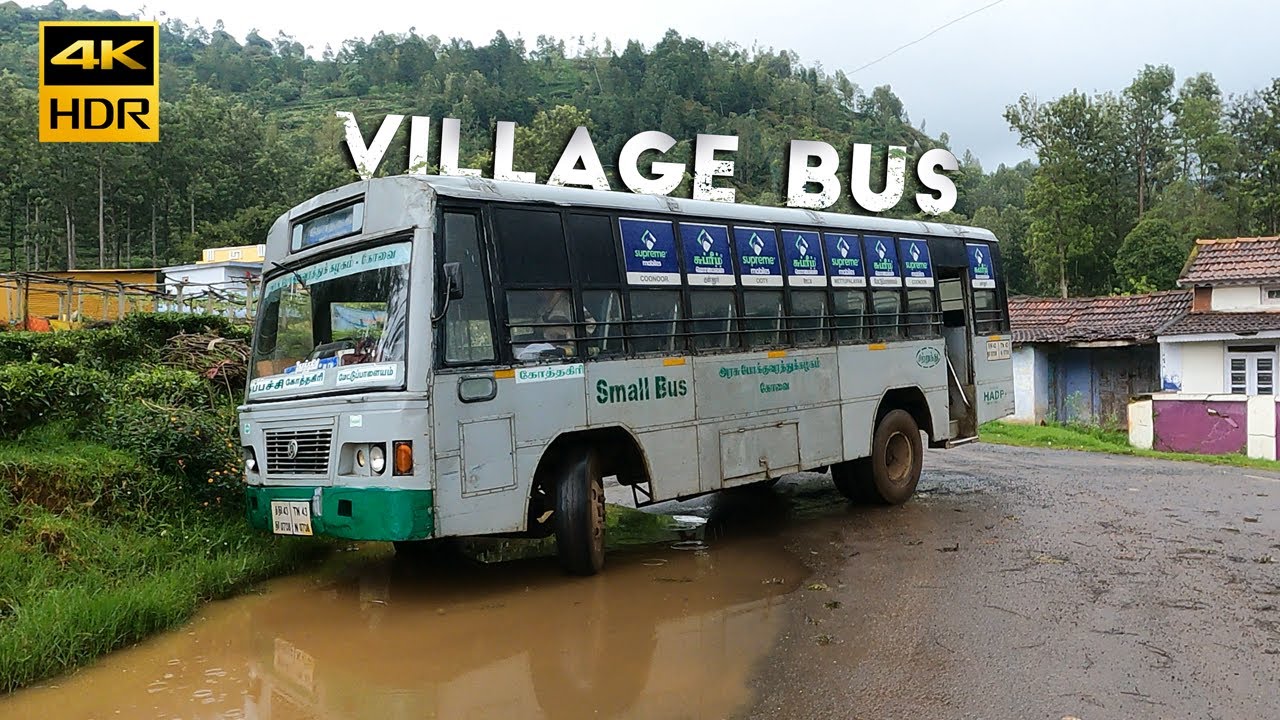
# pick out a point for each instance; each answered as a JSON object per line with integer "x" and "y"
{"x": 957, "y": 80}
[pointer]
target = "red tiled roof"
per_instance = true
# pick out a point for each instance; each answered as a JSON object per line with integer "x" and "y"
{"x": 1222, "y": 322}
{"x": 1232, "y": 260}
{"x": 1087, "y": 319}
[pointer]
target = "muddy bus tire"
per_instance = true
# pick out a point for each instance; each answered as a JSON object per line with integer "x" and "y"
{"x": 897, "y": 456}
{"x": 579, "y": 514}
{"x": 890, "y": 475}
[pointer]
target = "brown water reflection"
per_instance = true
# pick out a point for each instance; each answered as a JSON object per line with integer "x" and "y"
{"x": 663, "y": 633}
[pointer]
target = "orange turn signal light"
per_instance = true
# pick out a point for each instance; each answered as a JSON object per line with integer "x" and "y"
{"x": 403, "y": 457}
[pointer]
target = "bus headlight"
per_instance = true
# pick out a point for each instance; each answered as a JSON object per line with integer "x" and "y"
{"x": 250, "y": 461}
{"x": 377, "y": 459}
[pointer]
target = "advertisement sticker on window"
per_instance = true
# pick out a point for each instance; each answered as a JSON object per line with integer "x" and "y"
{"x": 916, "y": 266}
{"x": 981, "y": 274}
{"x": 844, "y": 260}
{"x": 882, "y": 261}
{"x": 649, "y": 250}
{"x": 757, "y": 250}
{"x": 707, "y": 259}
{"x": 803, "y": 252}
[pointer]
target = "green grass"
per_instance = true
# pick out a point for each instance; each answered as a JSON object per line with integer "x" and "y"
{"x": 1096, "y": 439}
{"x": 94, "y": 558}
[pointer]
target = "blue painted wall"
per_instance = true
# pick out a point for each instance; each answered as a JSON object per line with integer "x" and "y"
{"x": 1093, "y": 385}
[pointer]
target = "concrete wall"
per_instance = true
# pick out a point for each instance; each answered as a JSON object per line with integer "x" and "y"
{"x": 1237, "y": 299}
{"x": 1141, "y": 430}
{"x": 1030, "y": 384}
{"x": 1207, "y": 424}
{"x": 1261, "y": 425}
{"x": 1171, "y": 367}
{"x": 1203, "y": 371}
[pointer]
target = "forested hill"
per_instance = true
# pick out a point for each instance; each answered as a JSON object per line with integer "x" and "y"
{"x": 1123, "y": 183}
{"x": 248, "y": 126}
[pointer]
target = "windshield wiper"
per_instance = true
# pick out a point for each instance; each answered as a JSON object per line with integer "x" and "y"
{"x": 295, "y": 274}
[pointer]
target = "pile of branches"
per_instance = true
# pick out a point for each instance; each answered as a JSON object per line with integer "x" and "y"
{"x": 221, "y": 360}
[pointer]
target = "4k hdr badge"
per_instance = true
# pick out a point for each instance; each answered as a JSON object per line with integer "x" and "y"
{"x": 99, "y": 82}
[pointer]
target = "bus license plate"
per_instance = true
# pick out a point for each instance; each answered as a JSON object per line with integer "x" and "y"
{"x": 999, "y": 349}
{"x": 291, "y": 517}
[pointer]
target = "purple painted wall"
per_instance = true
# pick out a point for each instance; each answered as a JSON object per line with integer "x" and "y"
{"x": 1201, "y": 426}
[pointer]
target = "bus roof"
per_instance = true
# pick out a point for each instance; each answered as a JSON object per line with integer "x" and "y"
{"x": 472, "y": 188}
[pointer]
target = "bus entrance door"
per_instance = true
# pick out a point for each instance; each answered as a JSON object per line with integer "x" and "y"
{"x": 963, "y": 426}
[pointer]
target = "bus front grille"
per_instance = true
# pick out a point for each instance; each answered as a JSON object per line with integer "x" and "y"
{"x": 298, "y": 452}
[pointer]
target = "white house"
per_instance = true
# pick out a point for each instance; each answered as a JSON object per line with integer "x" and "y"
{"x": 222, "y": 274}
{"x": 1218, "y": 362}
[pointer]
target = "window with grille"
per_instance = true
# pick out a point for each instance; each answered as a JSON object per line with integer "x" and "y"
{"x": 1251, "y": 369}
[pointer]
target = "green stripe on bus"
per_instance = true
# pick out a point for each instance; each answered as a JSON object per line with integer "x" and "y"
{"x": 380, "y": 514}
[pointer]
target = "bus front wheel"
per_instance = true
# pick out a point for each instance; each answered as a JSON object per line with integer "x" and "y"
{"x": 579, "y": 513}
{"x": 892, "y": 472}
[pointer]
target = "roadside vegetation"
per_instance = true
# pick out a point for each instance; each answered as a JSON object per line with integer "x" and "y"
{"x": 1076, "y": 436}
{"x": 120, "y": 501}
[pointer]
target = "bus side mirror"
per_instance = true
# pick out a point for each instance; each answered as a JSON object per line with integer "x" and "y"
{"x": 453, "y": 276}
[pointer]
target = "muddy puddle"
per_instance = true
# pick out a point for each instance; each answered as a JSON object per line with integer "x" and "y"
{"x": 672, "y": 630}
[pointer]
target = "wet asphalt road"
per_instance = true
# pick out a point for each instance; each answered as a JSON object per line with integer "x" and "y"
{"x": 1024, "y": 583}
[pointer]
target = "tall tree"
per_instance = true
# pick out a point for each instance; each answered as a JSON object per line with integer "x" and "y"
{"x": 1146, "y": 111}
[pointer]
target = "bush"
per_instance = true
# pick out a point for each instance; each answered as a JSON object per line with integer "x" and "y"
{"x": 138, "y": 339}
{"x": 32, "y": 393}
{"x": 61, "y": 348}
{"x": 165, "y": 386}
{"x": 153, "y": 330}
{"x": 195, "y": 445}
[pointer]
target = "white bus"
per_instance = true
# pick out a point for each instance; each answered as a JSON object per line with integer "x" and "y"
{"x": 448, "y": 357}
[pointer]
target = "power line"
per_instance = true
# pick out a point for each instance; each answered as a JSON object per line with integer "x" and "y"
{"x": 926, "y": 35}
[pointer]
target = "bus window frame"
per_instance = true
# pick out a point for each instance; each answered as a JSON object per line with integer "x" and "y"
{"x": 579, "y": 285}
{"x": 685, "y": 338}
{"x": 478, "y": 211}
{"x": 1000, "y": 324}
{"x": 341, "y": 246}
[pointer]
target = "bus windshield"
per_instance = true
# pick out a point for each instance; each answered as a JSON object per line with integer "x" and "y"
{"x": 316, "y": 320}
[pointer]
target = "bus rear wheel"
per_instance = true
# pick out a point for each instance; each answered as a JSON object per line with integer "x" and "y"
{"x": 579, "y": 513}
{"x": 892, "y": 472}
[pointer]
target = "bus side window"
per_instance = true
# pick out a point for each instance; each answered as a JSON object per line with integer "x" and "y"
{"x": 886, "y": 307}
{"x": 468, "y": 335}
{"x": 605, "y": 308}
{"x": 850, "y": 308}
{"x": 986, "y": 312}
{"x": 593, "y": 253}
{"x": 713, "y": 312}
{"x": 921, "y": 320}
{"x": 535, "y": 271}
{"x": 652, "y": 326}
{"x": 762, "y": 313}
{"x": 808, "y": 317}
{"x": 951, "y": 293}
